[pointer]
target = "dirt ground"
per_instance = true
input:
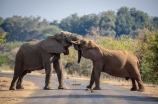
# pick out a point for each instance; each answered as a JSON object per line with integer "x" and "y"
{"x": 13, "y": 97}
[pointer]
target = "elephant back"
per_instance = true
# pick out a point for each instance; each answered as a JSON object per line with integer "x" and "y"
{"x": 31, "y": 46}
{"x": 32, "y": 52}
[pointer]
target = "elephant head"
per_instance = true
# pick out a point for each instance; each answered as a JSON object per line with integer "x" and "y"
{"x": 59, "y": 42}
{"x": 88, "y": 49}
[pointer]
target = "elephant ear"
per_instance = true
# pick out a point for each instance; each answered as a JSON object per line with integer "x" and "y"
{"x": 91, "y": 44}
{"x": 94, "y": 53}
{"x": 51, "y": 45}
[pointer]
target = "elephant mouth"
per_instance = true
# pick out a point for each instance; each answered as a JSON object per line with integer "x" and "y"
{"x": 69, "y": 43}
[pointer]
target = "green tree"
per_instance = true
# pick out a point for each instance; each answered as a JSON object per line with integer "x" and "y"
{"x": 148, "y": 45}
{"x": 154, "y": 21}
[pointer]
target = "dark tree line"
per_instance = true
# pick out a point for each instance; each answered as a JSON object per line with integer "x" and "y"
{"x": 23, "y": 28}
{"x": 127, "y": 21}
{"x": 124, "y": 21}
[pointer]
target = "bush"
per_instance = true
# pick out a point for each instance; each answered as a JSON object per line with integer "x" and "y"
{"x": 8, "y": 54}
{"x": 3, "y": 60}
{"x": 148, "y": 51}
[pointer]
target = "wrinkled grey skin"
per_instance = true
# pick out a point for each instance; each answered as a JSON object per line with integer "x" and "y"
{"x": 119, "y": 63}
{"x": 45, "y": 54}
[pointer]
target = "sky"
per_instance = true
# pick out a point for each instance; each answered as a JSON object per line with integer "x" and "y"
{"x": 59, "y": 9}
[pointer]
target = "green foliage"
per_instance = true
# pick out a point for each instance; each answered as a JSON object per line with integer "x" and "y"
{"x": 126, "y": 21}
{"x": 2, "y": 60}
{"x": 119, "y": 43}
{"x": 24, "y": 28}
{"x": 42, "y": 33}
{"x": 72, "y": 67}
{"x": 2, "y": 37}
{"x": 148, "y": 52}
{"x": 8, "y": 54}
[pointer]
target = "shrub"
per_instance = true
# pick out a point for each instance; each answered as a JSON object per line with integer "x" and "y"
{"x": 3, "y": 60}
{"x": 148, "y": 51}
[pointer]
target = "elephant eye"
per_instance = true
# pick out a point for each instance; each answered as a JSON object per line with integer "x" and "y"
{"x": 64, "y": 36}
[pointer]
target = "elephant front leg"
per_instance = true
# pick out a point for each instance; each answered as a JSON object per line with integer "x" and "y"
{"x": 91, "y": 81}
{"x": 48, "y": 70}
{"x": 97, "y": 67}
{"x": 97, "y": 80}
{"x": 59, "y": 70}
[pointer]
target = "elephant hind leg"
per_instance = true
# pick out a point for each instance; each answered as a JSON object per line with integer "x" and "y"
{"x": 135, "y": 75}
{"x": 19, "y": 83}
{"x": 134, "y": 86}
{"x": 140, "y": 84}
{"x": 17, "y": 71}
{"x": 15, "y": 78}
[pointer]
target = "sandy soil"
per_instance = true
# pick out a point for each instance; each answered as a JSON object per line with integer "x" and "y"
{"x": 13, "y": 97}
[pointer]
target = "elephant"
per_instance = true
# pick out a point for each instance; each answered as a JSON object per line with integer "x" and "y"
{"x": 42, "y": 54}
{"x": 119, "y": 63}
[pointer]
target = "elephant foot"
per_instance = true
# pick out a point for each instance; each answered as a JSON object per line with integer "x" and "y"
{"x": 48, "y": 88}
{"x": 133, "y": 89}
{"x": 61, "y": 87}
{"x": 19, "y": 86}
{"x": 96, "y": 88}
{"x": 141, "y": 90}
{"x": 89, "y": 87}
{"x": 12, "y": 88}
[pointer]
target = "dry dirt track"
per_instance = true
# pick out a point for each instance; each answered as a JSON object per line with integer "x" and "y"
{"x": 109, "y": 94}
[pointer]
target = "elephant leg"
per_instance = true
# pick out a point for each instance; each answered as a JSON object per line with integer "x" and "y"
{"x": 140, "y": 84}
{"x": 97, "y": 67}
{"x": 137, "y": 77}
{"x": 20, "y": 80}
{"x": 97, "y": 80}
{"x": 13, "y": 83}
{"x": 48, "y": 70}
{"x": 59, "y": 70}
{"x": 91, "y": 81}
{"x": 17, "y": 69}
{"x": 134, "y": 86}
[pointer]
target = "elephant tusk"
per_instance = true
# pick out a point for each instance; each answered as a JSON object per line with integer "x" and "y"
{"x": 74, "y": 42}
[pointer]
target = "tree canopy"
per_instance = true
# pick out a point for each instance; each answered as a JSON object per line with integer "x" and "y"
{"x": 127, "y": 21}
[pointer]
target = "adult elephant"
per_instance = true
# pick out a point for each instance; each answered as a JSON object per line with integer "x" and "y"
{"x": 45, "y": 54}
{"x": 120, "y": 63}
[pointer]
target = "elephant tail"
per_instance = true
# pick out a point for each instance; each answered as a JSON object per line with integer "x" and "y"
{"x": 139, "y": 67}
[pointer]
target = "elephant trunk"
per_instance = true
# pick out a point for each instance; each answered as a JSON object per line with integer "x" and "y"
{"x": 77, "y": 47}
{"x": 79, "y": 55}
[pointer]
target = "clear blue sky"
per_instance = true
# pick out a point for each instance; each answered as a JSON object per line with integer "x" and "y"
{"x": 59, "y": 9}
